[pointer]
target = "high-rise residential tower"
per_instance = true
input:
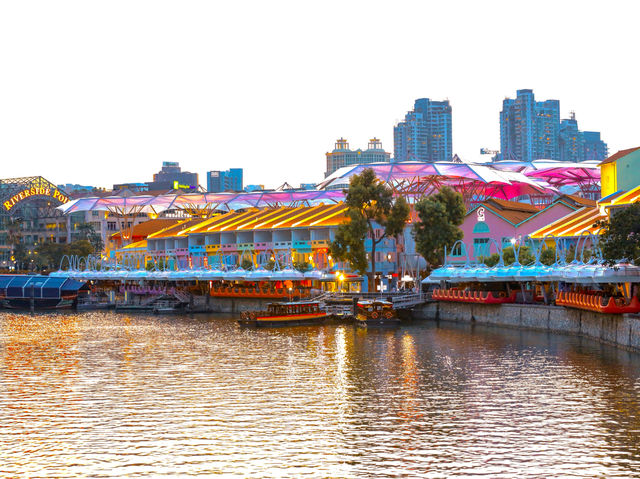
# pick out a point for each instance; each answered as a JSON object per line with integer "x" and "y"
{"x": 532, "y": 130}
{"x": 425, "y": 133}
{"x": 342, "y": 155}
{"x": 576, "y": 145}
{"x": 529, "y": 129}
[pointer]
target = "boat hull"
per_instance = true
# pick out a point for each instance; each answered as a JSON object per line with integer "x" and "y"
{"x": 38, "y": 303}
{"x": 288, "y": 320}
{"x": 364, "y": 321}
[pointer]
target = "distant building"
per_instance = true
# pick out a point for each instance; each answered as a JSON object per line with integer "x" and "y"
{"x": 136, "y": 187}
{"x": 171, "y": 177}
{"x": 250, "y": 188}
{"x": 73, "y": 188}
{"x": 532, "y": 130}
{"x": 219, "y": 181}
{"x": 425, "y": 134}
{"x": 576, "y": 145}
{"x": 529, "y": 129}
{"x": 593, "y": 146}
{"x": 342, "y": 155}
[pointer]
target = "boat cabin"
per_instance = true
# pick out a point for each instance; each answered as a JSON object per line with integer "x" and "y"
{"x": 375, "y": 309}
{"x": 286, "y": 309}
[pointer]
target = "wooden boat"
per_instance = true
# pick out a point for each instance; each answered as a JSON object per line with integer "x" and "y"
{"x": 376, "y": 313}
{"x": 285, "y": 314}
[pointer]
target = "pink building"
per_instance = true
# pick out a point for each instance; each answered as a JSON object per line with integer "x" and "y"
{"x": 506, "y": 221}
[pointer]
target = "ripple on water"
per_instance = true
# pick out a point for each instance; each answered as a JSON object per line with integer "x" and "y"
{"x": 112, "y": 395}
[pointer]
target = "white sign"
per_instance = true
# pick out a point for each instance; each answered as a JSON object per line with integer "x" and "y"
{"x": 480, "y": 212}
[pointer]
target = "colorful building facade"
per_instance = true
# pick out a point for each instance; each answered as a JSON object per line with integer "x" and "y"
{"x": 620, "y": 183}
{"x": 290, "y": 236}
{"x": 507, "y": 222}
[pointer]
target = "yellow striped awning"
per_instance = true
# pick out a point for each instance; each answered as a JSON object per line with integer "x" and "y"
{"x": 574, "y": 224}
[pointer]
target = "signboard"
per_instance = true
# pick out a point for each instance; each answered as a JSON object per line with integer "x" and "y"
{"x": 178, "y": 186}
{"x": 53, "y": 193}
{"x": 480, "y": 213}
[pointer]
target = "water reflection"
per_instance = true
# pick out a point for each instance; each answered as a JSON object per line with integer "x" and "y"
{"x": 112, "y": 395}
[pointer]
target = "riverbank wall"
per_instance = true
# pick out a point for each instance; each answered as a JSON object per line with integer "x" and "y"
{"x": 622, "y": 330}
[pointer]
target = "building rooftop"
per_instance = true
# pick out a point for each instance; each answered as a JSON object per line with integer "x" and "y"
{"x": 142, "y": 230}
{"x": 573, "y": 224}
{"x": 262, "y": 218}
{"x": 619, "y": 154}
{"x": 512, "y": 211}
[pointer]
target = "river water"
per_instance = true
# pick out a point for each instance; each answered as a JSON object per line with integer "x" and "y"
{"x": 108, "y": 395}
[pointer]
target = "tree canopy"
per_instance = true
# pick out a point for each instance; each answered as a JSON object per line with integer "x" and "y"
{"x": 620, "y": 239}
{"x": 439, "y": 218}
{"x": 370, "y": 206}
{"x": 50, "y": 254}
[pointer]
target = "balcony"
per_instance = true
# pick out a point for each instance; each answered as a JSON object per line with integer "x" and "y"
{"x": 212, "y": 248}
{"x": 197, "y": 250}
{"x": 302, "y": 246}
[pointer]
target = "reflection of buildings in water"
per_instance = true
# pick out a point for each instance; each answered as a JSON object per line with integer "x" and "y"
{"x": 612, "y": 377}
{"x": 44, "y": 352}
{"x": 40, "y": 365}
{"x": 411, "y": 404}
{"x": 342, "y": 371}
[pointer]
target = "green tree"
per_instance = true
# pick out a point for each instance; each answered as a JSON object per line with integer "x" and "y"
{"x": 370, "y": 202}
{"x": 620, "y": 237}
{"x": 302, "y": 266}
{"x": 439, "y": 218}
{"x": 49, "y": 255}
{"x": 86, "y": 231}
{"x": 525, "y": 256}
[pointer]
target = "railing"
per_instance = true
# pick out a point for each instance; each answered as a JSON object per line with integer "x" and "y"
{"x": 597, "y": 302}
{"x": 468, "y": 296}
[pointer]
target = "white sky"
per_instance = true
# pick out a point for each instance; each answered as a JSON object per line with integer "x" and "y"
{"x": 102, "y": 92}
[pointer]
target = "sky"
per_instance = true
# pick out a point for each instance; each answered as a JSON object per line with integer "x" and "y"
{"x": 98, "y": 93}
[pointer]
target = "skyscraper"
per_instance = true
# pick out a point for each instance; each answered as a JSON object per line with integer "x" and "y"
{"x": 593, "y": 146}
{"x": 570, "y": 140}
{"x": 576, "y": 145}
{"x": 529, "y": 129}
{"x": 425, "y": 133}
{"x": 342, "y": 155}
{"x": 219, "y": 181}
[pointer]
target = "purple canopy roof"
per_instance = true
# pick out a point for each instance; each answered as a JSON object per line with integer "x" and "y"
{"x": 230, "y": 201}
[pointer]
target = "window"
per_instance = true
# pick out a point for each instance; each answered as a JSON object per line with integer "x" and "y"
{"x": 481, "y": 247}
{"x": 457, "y": 250}
{"x": 481, "y": 227}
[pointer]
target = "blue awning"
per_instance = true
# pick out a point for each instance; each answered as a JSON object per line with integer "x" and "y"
{"x": 36, "y": 286}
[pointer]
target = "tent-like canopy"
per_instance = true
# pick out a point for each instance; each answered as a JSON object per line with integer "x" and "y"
{"x": 556, "y": 173}
{"x": 474, "y": 181}
{"x": 124, "y": 205}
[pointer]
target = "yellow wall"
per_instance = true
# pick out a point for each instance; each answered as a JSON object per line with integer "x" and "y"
{"x": 608, "y": 179}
